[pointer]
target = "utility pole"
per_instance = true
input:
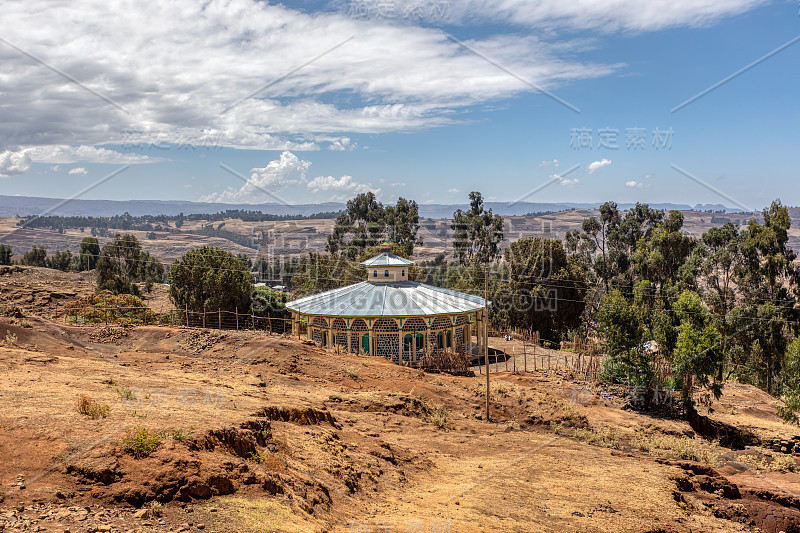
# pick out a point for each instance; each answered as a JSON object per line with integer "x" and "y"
{"x": 486, "y": 334}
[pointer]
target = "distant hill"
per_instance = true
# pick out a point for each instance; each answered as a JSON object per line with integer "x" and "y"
{"x": 28, "y": 205}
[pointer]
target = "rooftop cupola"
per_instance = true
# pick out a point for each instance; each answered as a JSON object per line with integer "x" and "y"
{"x": 387, "y": 268}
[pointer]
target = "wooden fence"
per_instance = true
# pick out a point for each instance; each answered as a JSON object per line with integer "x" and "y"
{"x": 522, "y": 352}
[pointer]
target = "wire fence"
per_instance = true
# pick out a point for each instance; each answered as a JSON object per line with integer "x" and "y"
{"x": 217, "y": 319}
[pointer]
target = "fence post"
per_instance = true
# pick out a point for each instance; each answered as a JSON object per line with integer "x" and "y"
{"x": 525, "y": 355}
{"x": 204, "y": 318}
{"x": 219, "y": 318}
{"x": 237, "y": 318}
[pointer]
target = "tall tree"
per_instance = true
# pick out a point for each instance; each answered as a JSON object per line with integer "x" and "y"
{"x": 89, "y": 254}
{"x": 60, "y": 260}
{"x": 698, "y": 351}
{"x": 365, "y": 223}
{"x": 210, "y": 278}
{"x": 36, "y": 256}
{"x": 5, "y": 254}
{"x": 545, "y": 289}
{"x": 122, "y": 264}
{"x": 477, "y": 233}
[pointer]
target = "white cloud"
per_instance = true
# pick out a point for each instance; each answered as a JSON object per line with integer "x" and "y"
{"x": 78, "y": 170}
{"x": 344, "y": 186}
{"x": 633, "y": 184}
{"x": 399, "y": 184}
{"x": 453, "y": 191}
{"x": 553, "y": 162}
{"x": 184, "y": 63}
{"x": 597, "y": 165}
{"x": 14, "y": 162}
{"x": 55, "y": 168}
{"x": 604, "y": 15}
{"x": 265, "y": 182}
{"x": 85, "y": 154}
{"x": 343, "y": 144}
{"x": 564, "y": 181}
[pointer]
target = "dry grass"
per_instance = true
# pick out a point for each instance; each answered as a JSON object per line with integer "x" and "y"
{"x": 259, "y": 515}
{"x": 91, "y": 408}
{"x": 682, "y": 447}
{"x": 605, "y": 437}
{"x": 271, "y": 461}
{"x": 779, "y": 463}
{"x": 10, "y": 339}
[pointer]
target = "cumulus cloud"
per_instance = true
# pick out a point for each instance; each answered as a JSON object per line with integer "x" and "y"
{"x": 14, "y": 162}
{"x": 78, "y": 170}
{"x": 633, "y": 184}
{"x": 597, "y": 165}
{"x": 553, "y": 162}
{"x": 453, "y": 191}
{"x": 570, "y": 183}
{"x": 399, "y": 184}
{"x": 341, "y": 188}
{"x": 264, "y": 182}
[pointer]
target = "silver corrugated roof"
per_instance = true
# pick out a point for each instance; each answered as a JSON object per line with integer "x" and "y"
{"x": 387, "y": 259}
{"x": 404, "y": 298}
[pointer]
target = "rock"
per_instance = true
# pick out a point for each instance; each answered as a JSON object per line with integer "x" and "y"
{"x": 201, "y": 526}
{"x": 141, "y": 514}
{"x": 104, "y": 528}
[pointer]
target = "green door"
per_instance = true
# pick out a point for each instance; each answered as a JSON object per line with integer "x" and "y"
{"x": 420, "y": 342}
{"x": 365, "y": 343}
{"x": 408, "y": 342}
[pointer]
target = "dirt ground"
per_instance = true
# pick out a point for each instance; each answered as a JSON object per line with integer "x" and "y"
{"x": 225, "y": 431}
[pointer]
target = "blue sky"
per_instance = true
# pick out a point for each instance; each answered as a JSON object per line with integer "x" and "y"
{"x": 357, "y": 99}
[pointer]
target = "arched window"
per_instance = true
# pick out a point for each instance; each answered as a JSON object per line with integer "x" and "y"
{"x": 403, "y": 273}
{"x": 375, "y": 274}
{"x": 386, "y": 273}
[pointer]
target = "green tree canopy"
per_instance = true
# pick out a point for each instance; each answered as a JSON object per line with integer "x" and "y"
{"x": 122, "y": 264}
{"x": 89, "y": 254}
{"x": 5, "y": 254}
{"x": 477, "y": 233}
{"x": 36, "y": 256}
{"x": 367, "y": 222}
{"x": 210, "y": 278}
{"x": 544, "y": 289}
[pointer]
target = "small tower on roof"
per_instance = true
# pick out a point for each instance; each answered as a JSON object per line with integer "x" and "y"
{"x": 387, "y": 268}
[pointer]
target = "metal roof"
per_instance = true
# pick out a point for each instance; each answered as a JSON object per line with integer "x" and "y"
{"x": 387, "y": 259}
{"x": 399, "y": 299}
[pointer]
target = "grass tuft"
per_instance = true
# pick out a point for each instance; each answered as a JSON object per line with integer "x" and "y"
{"x": 91, "y": 408}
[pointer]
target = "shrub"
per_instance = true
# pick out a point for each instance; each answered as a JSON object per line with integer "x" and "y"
{"x": 783, "y": 463}
{"x": 182, "y": 435}
{"x": 155, "y": 509}
{"x": 126, "y": 393}
{"x": 91, "y": 408}
{"x": 140, "y": 442}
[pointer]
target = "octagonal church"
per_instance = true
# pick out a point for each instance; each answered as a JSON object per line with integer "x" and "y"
{"x": 387, "y": 315}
